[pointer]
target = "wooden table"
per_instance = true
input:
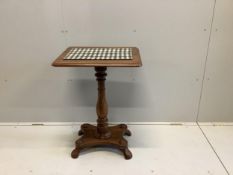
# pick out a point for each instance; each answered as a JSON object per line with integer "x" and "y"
{"x": 101, "y": 58}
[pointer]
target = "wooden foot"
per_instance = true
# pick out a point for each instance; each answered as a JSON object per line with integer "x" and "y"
{"x": 127, "y": 133}
{"x": 75, "y": 153}
{"x": 80, "y": 133}
{"x": 90, "y": 138}
{"x": 127, "y": 153}
{"x": 125, "y": 128}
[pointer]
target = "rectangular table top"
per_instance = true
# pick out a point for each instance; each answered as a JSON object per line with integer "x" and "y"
{"x": 99, "y": 57}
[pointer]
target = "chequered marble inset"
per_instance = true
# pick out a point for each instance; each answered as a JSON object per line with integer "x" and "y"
{"x": 99, "y": 54}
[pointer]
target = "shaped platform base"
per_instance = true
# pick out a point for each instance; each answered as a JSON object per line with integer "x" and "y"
{"x": 90, "y": 139}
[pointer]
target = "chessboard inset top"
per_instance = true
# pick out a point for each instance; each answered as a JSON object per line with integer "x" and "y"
{"x": 99, "y": 54}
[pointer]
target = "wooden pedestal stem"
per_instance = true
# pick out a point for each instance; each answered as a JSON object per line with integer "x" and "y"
{"x": 102, "y": 106}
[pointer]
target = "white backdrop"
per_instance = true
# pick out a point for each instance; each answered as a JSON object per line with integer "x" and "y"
{"x": 173, "y": 37}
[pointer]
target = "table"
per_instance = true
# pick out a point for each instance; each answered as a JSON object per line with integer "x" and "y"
{"x": 100, "y": 58}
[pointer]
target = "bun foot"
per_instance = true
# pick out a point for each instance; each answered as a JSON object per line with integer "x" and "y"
{"x": 75, "y": 153}
{"x": 127, "y": 133}
{"x": 127, "y": 153}
{"x": 80, "y": 133}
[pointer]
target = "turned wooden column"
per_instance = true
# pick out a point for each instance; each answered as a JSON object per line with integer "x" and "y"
{"x": 103, "y": 131}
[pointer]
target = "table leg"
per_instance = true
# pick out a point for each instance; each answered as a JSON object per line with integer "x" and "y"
{"x": 102, "y": 134}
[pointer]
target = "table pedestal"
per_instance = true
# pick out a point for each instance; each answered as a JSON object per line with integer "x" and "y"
{"x": 102, "y": 134}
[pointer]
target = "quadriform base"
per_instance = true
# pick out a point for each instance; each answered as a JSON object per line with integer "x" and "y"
{"x": 90, "y": 138}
